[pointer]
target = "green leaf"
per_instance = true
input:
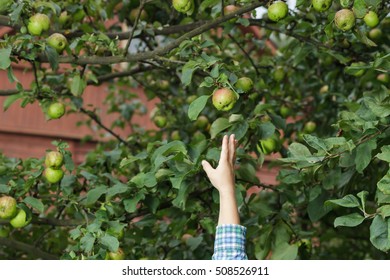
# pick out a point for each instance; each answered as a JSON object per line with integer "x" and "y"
{"x": 34, "y": 203}
{"x": 266, "y": 130}
{"x": 363, "y": 155}
{"x": 131, "y": 204}
{"x": 10, "y": 100}
{"x": 385, "y": 155}
{"x": 219, "y": 125}
{"x": 359, "y": 8}
{"x": 52, "y": 56}
{"x": 379, "y": 233}
{"x": 197, "y": 106}
{"x": 86, "y": 242}
{"x": 384, "y": 184}
{"x": 88, "y": 176}
{"x": 110, "y": 242}
{"x": 207, "y": 3}
{"x": 348, "y": 201}
{"x": 363, "y": 198}
{"x": 94, "y": 194}
{"x": 144, "y": 179}
{"x": 194, "y": 242}
{"x": 285, "y": 251}
{"x": 298, "y": 150}
{"x": 187, "y": 72}
{"x": 78, "y": 86}
{"x": 117, "y": 189}
{"x": 152, "y": 203}
{"x": 351, "y": 220}
{"x": 5, "y": 60}
{"x": 315, "y": 142}
{"x": 317, "y": 208}
{"x": 384, "y": 211}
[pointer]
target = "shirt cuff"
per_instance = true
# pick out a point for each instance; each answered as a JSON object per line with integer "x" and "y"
{"x": 230, "y": 242}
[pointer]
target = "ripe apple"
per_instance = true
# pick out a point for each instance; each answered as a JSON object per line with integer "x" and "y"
{"x": 160, "y": 121}
{"x": 202, "y": 122}
{"x": 371, "y": 19}
{"x": 183, "y": 6}
{"x": 244, "y": 83}
{"x": 54, "y": 159}
{"x": 20, "y": 220}
{"x": 134, "y": 12}
{"x": 383, "y": 78}
{"x": 309, "y": 127}
{"x": 322, "y": 5}
{"x": 53, "y": 175}
{"x": 38, "y": 23}
{"x": 279, "y": 74}
{"x": 118, "y": 255}
{"x": 344, "y": 19}
{"x": 7, "y": 207}
{"x": 57, "y": 41}
{"x": 224, "y": 99}
{"x": 4, "y": 5}
{"x": 56, "y": 110}
{"x": 277, "y": 10}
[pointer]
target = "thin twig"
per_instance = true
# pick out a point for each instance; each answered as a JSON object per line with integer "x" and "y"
{"x": 140, "y": 10}
{"x": 246, "y": 54}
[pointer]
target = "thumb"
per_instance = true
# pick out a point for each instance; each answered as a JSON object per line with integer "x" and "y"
{"x": 207, "y": 167}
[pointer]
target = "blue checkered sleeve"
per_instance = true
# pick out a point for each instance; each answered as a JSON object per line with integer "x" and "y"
{"x": 230, "y": 243}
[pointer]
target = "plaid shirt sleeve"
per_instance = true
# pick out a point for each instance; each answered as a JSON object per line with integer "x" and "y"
{"x": 230, "y": 243}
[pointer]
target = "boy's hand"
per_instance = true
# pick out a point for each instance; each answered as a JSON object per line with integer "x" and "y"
{"x": 222, "y": 177}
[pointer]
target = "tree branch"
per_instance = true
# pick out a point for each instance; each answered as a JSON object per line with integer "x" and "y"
{"x": 20, "y": 246}
{"x": 140, "y": 9}
{"x": 245, "y": 53}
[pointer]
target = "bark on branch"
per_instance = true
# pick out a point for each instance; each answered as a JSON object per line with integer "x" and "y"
{"x": 20, "y": 246}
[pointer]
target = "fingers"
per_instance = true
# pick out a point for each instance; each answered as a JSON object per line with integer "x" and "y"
{"x": 207, "y": 167}
{"x": 225, "y": 150}
{"x": 232, "y": 149}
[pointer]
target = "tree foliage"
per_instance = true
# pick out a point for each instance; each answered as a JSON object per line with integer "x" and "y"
{"x": 147, "y": 193}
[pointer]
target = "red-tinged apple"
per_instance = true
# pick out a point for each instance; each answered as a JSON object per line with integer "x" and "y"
{"x": 344, "y": 19}
{"x": 117, "y": 256}
{"x": 224, "y": 99}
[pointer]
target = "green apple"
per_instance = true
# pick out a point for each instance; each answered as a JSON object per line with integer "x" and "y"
{"x": 54, "y": 159}
{"x": 118, "y": 255}
{"x": 134, "y": 12}
{"x": 20, "y": 220}
{"x": 321, "y": 5}
{"x": 371, "y": 19}
{"x": 37, "y": 24}
{"x": 53, "y": 175}
{"x": 277, "y": 10}
{"x": 267, "y": 146}
{"x": 309, "y": 127}
{"x": 191, "y": 99}
{"x": 344, "y": 19}
{"x": 4, "y": 231}
{"x": 346, "y": 3}
{"x": 285, "y": 111}
{"x": 324, "y": 89}
{"x": 279, "y": 74}
{"x": 360, "y": 72}
{"x": 163, "y": 84}
{"x": 175, "y": 135}
{"x": 383, "y": 78}
{"x": 57, "y": 41}
{"x": 375, "y": 34}
{"x": 224, "y": 99}
{"x": 56, "y": 110}
{"x": 160, "y": 121}
{"x": 4, "y": 5}
{"x": 202, "y": 122}
{"x": 7, "y": 207}
{"x": 244, "y": 83}
{"x": 183, "y": 6}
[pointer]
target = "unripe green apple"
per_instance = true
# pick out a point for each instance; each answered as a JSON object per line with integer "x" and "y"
{"x": 285, "y": 111}
{"x": 277, "y": 10}
{"x": 309, "y": 127}
{"x": 202, "y": 122}
{"x": 371, "y": 19}
{"x": 38, "y": 23}
{"x": 56, "y": 110}
{"x": 53, "y": 175}
{"x": 321, "y": 5}
{"x": 279, "y": 74}
{"x": 344, "y": 19}
{"x": 57, "y": 41}
{"x": 183, "y": 6}
{"x": 54, "y": 159}
{"x": 20, "y": 220}
{"x": 4, "y": 231}
{"x": 175, "y": 135}
{"x": 267, "y": 146}
{"x": 118, "y": 255}
{"x": 375, "y": 34}
{"x": 244, "y": 83}
{"x": 191, "y": 99}
{"x": 163, "y": 84}
{"x": 224, "y": 99}
{"x": 7, "y": 207}
{"x": 134, "y": 12}
{"x": 160, "y": 121}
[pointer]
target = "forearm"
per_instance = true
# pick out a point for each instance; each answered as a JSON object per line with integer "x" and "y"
{"x": 228, "y": 210}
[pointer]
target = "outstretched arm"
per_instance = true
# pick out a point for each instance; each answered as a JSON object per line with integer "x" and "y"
{"x": 222, "y": 179}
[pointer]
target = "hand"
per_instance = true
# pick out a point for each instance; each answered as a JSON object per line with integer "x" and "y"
{"x": 222, "y": 177}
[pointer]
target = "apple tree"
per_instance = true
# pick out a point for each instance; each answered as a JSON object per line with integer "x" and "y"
{"x": 305, "y": 89}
